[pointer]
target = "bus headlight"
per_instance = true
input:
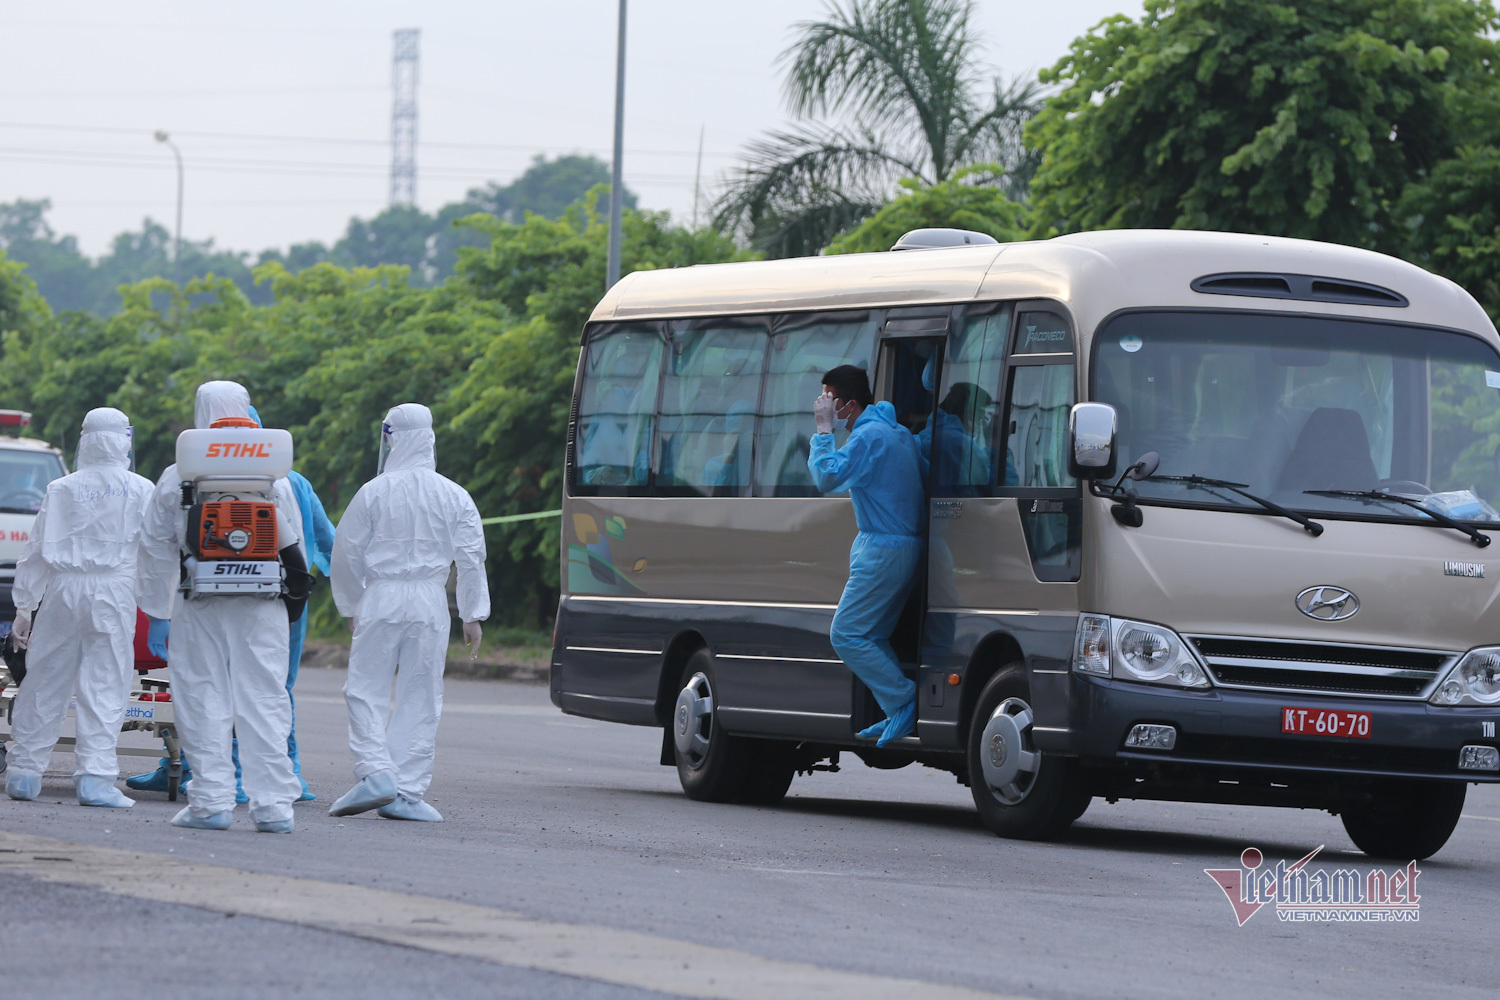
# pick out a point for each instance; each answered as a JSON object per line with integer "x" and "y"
{"x": 1474, "y": 680}
{"x": 1135, "y": 651}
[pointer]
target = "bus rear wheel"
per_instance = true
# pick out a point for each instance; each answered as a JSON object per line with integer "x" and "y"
{"x": 714, "y": 766}
{"x": 1406, "y": 820}
{"x": 1019, "y": 791}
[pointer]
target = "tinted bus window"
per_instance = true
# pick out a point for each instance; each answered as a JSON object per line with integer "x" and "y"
{"x": 799, "y": 356}
{"x": 1040, "y": 398}
{"x": 967, "y": 431}
{"x": 708, "y": 403}
{"x": 616, "y": 404}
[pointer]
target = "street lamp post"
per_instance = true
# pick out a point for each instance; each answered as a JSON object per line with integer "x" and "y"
{"x": 616, "y": 184}
{"x": 162, "y": 136}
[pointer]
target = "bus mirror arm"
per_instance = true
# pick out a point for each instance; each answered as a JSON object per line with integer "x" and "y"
{"x": 1125, "y": 511}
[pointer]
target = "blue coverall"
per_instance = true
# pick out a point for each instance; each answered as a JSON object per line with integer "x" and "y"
{"x": 880, "y": 467}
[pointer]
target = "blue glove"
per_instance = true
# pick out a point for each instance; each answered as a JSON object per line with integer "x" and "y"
{"x": 156, "y": 638}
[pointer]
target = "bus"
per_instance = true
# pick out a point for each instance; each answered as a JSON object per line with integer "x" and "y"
{"x": 1208, "y": 519}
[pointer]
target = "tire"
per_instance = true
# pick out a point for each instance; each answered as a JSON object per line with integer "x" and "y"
{"x": 711, "y": 765}
{"x": 1020, "y": 792}
{"x": 773, "y": 765}
{"x": 1406, "y": 820}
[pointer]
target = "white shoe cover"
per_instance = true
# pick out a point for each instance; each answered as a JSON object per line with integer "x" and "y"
{"x": 96, "y": 791}
{"x": 23, "y": 787}
{"x": 370, "y": 792}
{"x": 215, "y": 821}
{"x": 275, "y": 826}
{"x": 405, "y": 808}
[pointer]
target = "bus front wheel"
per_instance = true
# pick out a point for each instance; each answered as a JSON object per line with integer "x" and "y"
{"x": 1406, "y": 820}
{"x": 1019, "y": 791}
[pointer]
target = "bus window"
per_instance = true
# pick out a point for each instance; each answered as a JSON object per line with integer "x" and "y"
{"x": 622, "y": 369}
{"x": 1036, "y": 422}
{"x": 800, "y": 354}
{"x": 966, "y": 426}
{"x": 708, "y": 403}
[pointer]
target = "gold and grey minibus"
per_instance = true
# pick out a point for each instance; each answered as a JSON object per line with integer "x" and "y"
{"x": 1209, "y": 520}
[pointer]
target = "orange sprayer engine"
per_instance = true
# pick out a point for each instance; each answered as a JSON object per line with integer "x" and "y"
{"x": 233, "y": 529}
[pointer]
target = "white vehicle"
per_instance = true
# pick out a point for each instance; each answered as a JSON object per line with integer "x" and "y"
{"x": 26, "y": 467}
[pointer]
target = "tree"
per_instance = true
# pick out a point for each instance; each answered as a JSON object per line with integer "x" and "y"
{"x": 972, "y": 199}
{"x": 548, "y": 188}
{"x": 1455, "y": 213}
{"x": 905, "y": 73}
{"x": 1301, "y": 119}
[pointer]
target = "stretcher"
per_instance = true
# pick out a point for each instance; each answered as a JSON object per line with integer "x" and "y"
{"x": 149, "y": 710}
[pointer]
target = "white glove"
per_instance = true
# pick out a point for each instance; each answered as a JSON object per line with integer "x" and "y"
{"x": 472, "y": 634}
{"x": 823, "y": 411}
{"x": 22, "y": 629}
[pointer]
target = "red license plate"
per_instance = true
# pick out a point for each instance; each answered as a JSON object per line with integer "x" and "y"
{"x": 1325, "y": 722}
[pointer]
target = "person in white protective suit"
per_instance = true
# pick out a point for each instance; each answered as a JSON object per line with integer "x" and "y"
{"x": 79, "y": 566}
{"x": 228, "y": 658}
{"x": 392, "y": 552}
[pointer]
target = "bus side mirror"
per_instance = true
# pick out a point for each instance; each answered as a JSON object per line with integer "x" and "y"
{"x": 1091, "y": 441}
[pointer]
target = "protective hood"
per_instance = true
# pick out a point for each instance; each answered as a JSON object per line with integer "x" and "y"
{"x": 413, "y": 445}
{"x": 882, "y": 411}
{"x": 105, "y": 440}
{"x": 217, "y": 400}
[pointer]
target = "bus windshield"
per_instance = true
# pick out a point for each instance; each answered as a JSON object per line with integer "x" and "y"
{"x": 24, "y": 476}
{"x": 1307, "y": 412}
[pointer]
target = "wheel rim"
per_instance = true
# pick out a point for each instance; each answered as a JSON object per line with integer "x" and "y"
{"x": 692, "y": 721}
{"x": 1007, "y": 756}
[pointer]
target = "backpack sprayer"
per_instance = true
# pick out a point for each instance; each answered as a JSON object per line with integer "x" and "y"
{"x": 233, "y": 542}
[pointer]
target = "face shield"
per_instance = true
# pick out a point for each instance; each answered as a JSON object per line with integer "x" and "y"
{"x": 130, "y": 434}
{"x": 385, "y": 447}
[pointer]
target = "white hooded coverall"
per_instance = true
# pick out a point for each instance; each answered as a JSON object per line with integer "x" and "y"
{"x": 79, "y": 565}
{"x": 391, "y": 557}
{"x": 228, "y": 654}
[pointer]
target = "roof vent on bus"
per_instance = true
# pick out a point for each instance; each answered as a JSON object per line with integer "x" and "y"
{"x": 933, "y": 239}
{"x": 1304, "y": 287}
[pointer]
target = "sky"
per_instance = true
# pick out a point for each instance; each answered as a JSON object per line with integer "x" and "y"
{"x": 282, "y": 109}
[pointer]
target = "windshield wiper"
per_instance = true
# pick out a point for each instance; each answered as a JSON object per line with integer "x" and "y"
{"x": 1313, "y": 527}
{"x": 1479, "y": 538}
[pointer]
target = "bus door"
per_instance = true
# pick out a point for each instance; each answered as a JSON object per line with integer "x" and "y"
{"x": 1004, "y": 516}
{"x": 907, "y": 376}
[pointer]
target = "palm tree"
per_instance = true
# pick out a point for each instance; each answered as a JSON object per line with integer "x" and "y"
{"x": 904, "y": 74}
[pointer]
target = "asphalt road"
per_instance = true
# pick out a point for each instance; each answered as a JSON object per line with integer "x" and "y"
{"x": 887, "y": 874}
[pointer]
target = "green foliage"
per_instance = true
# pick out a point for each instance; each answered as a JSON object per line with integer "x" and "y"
{"x": 973, "y": 199}
{"x": 906, "y": 75}
{"x": 491, "y": 350}
{"x": 1456, "y": 222}
{"x": 1297, "y": 119}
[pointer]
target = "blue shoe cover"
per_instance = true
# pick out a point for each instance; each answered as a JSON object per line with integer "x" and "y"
{"x": 307, "y": 793}
{"x": 239, "y": 795}
{"x": 156, "y": 781}
{"x": 214, "y": 821}
{"x": 97, "y": 791}
{"x": 369, "y": 792}
{"x": 874, "y": 732}
{"x": 405, "y": 808}
{"x": 23, "y": 787}
{"x": 903, "y": 723}
{"x": 275, "y": 826}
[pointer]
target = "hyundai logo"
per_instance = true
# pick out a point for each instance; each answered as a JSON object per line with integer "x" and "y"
{"x": 1327, "y": 604}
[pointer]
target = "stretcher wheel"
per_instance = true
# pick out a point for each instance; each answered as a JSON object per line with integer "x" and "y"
{"x": 4, "y": 762}
{"x": 172, "y": 786}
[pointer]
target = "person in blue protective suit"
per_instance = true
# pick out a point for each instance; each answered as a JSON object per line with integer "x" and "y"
{"x": 880, "y": 467}
{"x": 318, "y": 533}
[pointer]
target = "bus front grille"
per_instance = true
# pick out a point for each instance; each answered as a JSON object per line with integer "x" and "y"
{"x": 1322, "y": 668}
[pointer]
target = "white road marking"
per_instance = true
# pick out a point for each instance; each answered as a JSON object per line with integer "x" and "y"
{"x": 1492, "y": 819}
{"x": 603, "y": 954}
